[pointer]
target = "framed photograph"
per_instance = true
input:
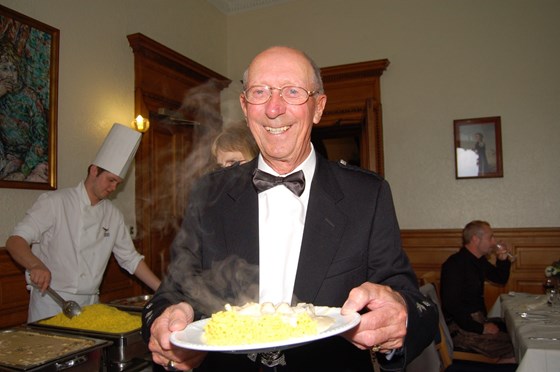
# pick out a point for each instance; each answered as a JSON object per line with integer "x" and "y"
{"x": 28, "y": 102}
{"x": 478, "y": 148}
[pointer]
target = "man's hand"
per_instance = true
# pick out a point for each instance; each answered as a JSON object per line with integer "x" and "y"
{"x": 20, "y": 250}
{"x": 490, "y": 329}
{"x": 174, "y": 318}
{"x": 503, "y": 251}
{"x": 384, "y": 325}
{"x": 40, "y": 276}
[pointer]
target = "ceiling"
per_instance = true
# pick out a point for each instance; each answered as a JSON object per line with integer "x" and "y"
{"x": 238, "y": 6}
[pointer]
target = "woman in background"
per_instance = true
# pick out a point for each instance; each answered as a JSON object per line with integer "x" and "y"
{"x": 234, "y": 144}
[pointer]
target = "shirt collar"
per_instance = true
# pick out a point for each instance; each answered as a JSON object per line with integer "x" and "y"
{"x": 84, "y": 197}
{"x": 307, "y": 166}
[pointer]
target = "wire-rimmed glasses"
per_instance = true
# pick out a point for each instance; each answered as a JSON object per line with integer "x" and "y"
{"x": 260, "y": 94}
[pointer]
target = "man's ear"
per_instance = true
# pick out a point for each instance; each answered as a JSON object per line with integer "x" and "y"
{"x": 93, "y": 169}
{"x": 320, "y": 103}
{"x": 475, "y": 239}
{"x": 243, "y": 103}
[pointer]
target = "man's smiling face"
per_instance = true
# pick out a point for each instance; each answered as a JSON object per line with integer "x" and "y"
{"x": 282, "y": 131}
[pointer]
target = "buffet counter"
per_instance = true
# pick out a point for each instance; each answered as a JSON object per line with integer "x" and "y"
{"x": 32, "y": 347}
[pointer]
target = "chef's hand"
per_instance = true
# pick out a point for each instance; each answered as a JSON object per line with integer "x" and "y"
{"x": 383, "y": 327}
{"x": 40, "y": 276}
{"x": 20, "y": 250}
{"x": 174, "y": 318}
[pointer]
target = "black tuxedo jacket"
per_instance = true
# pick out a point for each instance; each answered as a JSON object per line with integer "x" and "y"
{"x": 351, "y": 236}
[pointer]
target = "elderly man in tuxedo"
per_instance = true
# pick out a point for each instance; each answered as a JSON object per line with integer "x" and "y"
{"x": 292, "y": 226}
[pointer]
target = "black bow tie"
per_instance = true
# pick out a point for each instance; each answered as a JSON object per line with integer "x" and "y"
{"x": 263, "y": 181}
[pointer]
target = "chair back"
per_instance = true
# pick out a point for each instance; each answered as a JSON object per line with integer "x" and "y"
{"x": 444, "y": 343}
{"x": 429, "y": 277}
{"x": 445, "y": 346}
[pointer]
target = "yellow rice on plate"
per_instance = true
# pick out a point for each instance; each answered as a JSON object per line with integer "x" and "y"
{"x": 98, "y": 317}
{"x": 256, "y": 323}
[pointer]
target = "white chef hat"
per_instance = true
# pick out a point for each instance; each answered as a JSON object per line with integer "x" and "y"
{"x": 118, "y": 149}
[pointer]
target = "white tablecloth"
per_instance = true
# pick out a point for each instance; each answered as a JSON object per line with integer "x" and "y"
{"x": 536, "y": 360}
{"x": 540, "y": 321}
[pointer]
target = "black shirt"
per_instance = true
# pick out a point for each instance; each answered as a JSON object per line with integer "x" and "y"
{"x": 462, "y": 286}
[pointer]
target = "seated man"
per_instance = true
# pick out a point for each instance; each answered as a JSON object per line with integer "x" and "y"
{"x": 462, "y": 293}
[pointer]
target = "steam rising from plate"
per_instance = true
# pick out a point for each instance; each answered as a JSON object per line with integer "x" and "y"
{"x": 233, "y": 279}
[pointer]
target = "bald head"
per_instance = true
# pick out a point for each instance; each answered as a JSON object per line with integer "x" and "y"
{"x": 270, "y": 53}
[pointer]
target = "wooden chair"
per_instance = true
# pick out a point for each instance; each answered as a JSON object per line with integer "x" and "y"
{"x": 429, "y": 277}
{"x": 444, "y": 343}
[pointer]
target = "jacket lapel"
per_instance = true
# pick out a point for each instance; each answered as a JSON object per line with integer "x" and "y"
{"x": 323, "y": 229}
{"x": 241, "y": 211}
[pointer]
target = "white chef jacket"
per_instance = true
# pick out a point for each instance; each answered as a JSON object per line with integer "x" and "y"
{"x": 74, "y": 240}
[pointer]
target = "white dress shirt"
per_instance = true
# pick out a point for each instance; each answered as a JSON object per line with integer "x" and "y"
{"x": 281, "y": 225}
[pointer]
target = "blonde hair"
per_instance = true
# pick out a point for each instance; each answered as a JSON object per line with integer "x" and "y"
{"x": 236, "y": 138}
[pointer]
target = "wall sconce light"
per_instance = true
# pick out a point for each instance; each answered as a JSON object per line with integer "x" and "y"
{"x": 141, "y": 124}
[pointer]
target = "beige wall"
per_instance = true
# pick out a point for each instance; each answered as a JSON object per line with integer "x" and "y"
{"x": 450, "y": 59}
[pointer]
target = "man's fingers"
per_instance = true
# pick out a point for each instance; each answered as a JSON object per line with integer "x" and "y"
{"x": 384, "y": 325}
{"x": 181, "y": 315}
{"x": 360, "y": 297}
{"x": 379, "y": 327}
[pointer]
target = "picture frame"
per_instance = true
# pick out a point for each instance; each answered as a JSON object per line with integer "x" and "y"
{"x": 29, "y": 52}
{"x": 478, "y": 147}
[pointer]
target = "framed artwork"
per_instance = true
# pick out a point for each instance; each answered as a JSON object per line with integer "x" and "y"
{"x": 478, "y": 148}
{"x": 28, "y": 102}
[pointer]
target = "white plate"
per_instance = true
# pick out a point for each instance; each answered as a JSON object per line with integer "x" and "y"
{"x": 191, "y": 337}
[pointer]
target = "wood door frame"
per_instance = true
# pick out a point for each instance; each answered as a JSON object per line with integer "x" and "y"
{"x": 162, "y": 77}
{"x": 354, "y": 97}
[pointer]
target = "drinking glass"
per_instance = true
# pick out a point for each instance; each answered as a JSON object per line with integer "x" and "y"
{"x": 502, "y": 245}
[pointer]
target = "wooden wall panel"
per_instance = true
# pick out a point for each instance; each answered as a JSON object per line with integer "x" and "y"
{"x": 535, "y": 248}
{"x": 14, "y": 299}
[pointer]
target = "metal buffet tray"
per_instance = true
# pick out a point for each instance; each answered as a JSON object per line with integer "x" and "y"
{"x": 25, "y": 349}
{"x": 135, "y": 303}
{"x": 127, "y": 347}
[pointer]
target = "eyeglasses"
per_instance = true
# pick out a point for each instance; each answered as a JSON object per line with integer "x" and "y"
{"x": 260, "y": 94}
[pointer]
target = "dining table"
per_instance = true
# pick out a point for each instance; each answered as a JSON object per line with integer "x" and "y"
{"x": 533, "y": 322}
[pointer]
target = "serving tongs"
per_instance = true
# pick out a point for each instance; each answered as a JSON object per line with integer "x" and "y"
{"x": 69, "y": 308}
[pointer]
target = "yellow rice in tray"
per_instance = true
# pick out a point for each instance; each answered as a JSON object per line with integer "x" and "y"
{"x": 230, "y": 327}
{"x": 99, "y": 318}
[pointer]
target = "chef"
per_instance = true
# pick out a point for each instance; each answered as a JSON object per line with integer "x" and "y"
{"x": 66, "y": 238}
